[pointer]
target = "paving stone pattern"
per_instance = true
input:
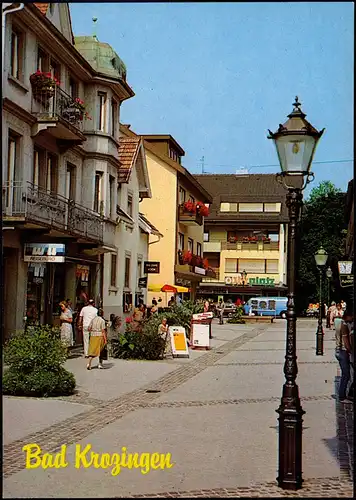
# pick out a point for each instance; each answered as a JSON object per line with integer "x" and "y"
{"x": 76, "y": 428}
{"x": 317, "y": 488}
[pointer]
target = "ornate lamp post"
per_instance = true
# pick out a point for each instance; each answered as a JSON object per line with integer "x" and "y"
{"x": 295, "y": 141}
{"x": 321, "y": 258}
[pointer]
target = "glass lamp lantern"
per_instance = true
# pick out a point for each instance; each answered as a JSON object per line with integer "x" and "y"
{"x": 321, "y": 257}
{"x": 329, "y": 273}
{"x": 296, "y": 142}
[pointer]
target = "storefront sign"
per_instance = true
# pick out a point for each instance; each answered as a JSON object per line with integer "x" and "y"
{"x": 178, "y": 341}
{"x": 200, "y": 335}
{"x": 199, "y": 270}
{"x": 44, "y": 252}
{"x": 151, "y": 267}
{"x": 82, "y": 272}
{"x": 237, "y": 280}
{"x": 142, "y": 282}
{"x": 346, "y": 280}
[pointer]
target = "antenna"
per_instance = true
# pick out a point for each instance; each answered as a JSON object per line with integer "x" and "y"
{"x": 202, "y": 159}
{"x": 94, "y": 19}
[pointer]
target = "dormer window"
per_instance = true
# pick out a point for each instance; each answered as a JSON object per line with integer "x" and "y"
{"x": 174, "y": 155}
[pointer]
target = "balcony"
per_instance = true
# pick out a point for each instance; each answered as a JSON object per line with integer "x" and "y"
{"x": 28, "y": 203}
{"x": 250, "y": 245}
{"x": 59, "y": 114}
{"x": 189, "y": 218}
{"x": 188, "y": 263}
{"x": 212, "y": 275}
{"x": 212, "y": 246}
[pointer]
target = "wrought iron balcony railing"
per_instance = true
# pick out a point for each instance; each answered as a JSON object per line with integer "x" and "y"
{"x": 54, "y": 102}
{"x": 32, "y": 203}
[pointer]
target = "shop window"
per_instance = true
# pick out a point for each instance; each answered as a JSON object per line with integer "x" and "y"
{"x": 199, "y": 253}
{"x": 190, "y": 245}
{"x": 206, "y": 236}
{"x": 17, "y": 53}
{"x": 182, "y": 194}
{"x": 127, "y": 302}
{"x": 101, "y": 115}
{"x": 113, "y": 270}
{"x": 127, "y": 272}
{"x": 230, "y": 265}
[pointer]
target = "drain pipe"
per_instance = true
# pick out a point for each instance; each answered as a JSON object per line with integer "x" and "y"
{"x": 5, "y": 11}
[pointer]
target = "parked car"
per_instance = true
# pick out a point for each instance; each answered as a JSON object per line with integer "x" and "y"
{"x": 230, "y": 309}
{"x": 267, "y": 306}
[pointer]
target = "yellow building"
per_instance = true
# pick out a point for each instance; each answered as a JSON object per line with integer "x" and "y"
{"x": 180, "y": 251}
{"x": 245, "y": 236}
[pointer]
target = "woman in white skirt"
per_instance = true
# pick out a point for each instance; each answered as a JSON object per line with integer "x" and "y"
{"x": 66, "y": 319}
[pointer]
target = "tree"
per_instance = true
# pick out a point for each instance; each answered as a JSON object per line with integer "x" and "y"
{"x": 322, "y": 223}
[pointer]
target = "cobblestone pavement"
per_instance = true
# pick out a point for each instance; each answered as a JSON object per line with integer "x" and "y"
{"x": 76, "y": 428}
{"x": 318, "y": 488}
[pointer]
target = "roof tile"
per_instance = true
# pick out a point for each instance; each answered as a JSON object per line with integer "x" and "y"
{"x": 128, "y": 148}
{"x": 42, "y": 6}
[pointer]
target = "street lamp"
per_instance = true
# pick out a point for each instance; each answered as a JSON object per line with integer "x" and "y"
{"x": 295, "y": 142}
{"x": 321, "y": 258}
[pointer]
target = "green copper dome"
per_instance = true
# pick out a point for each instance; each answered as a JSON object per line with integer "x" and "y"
{"x": 101, "y": 56}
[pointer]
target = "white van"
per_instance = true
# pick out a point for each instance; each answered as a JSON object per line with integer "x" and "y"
{"x": 267, "y": 306}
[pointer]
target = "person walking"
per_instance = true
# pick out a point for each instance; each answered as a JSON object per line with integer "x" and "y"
{"x": 98, "y": 340}
{"x": 154, "y": 308}
{"x": 87, "y": 314}
{"x": 206, "y": 306}
{"x": 342, "y": 354}
{"x": 337, "y": 315}
{"x": 66, "y": 319}
{"x": 221, "y": 308}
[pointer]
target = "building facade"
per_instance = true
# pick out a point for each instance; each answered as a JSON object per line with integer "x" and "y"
{"x": 63, "y": 180}
{"x": 245, "y": 236}
{"x": 180, "y": 251}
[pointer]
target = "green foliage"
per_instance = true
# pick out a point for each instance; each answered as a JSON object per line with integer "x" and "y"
{"x": 322, "y": 223}
{"x": 132, "y": 344}
{"x": 237, "y": 317}
{"x": 35, "y": 360}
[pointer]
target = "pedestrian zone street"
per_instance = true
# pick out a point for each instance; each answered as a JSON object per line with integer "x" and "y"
{"x": 214, "y": 413}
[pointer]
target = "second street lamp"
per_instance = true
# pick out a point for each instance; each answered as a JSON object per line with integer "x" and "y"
{"x": 295, "y": 141}
{"x": 321, "y": 258}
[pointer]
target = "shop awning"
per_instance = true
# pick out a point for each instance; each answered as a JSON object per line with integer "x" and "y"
{"x": 168, "y": 288}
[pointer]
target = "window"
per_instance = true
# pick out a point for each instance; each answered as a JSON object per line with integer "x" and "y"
{"x": 191, "y": 199}
{"x": 199, "y": 249}
{"x": 73, "y": 87}
{"x": 180, "y": 241}
{"x": 272, "y": 207}
{"x": 102, "y": 111}
{"x": 250, "y": 207}
{"x": 39, "y": 177}
{"x": 111, "y": 204}
{"x": 42, "y": 60}
{"x": 228, "y": 207}
{"x": 52, "y": 173}
{"x": 113, "y": 270}
{"x": 71, "y": 179}
{"x": 139, "y": 269}
{"x": 274, "y": 237}
{"x": 130, "y": 205}
{"x": 127, "y": 272}
{"x": 190, "y": 245}
{"x": 97, "y": 192}
{"x": 272, "y": 266}
{"x": 36, "y": 167}
{"x": 114, "y": 118}
{"x": 206, "y": 236}
{"x": 254, "y": 266}
{"x": 55, "y": 69}
{"x": 16, "y": 63}
{"x": 230, "y": 265}
{"x": 181, "y": 195}
{"x": 11, "y": 167}
{"x": 51, "y": 8}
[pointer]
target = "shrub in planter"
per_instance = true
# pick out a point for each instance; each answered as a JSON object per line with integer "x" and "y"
{"x": 237, "y": 317}
{"x": 145, "y": 344}
{"x": 35, "y": 360}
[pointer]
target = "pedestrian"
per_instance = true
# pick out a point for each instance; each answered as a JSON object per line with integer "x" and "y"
{"x": 171, "y": 301}
{"x": 87, "y": 314}
{"x": 347, "y": 326}
{"x": 138, "y": 317}
{"x": 221, "y": 308}
{"x": 206, "y": 306}
{"x": 337, "y": 315}
{"x": 342, "y": 354}
{"x": 332, "y": 310}
{"x": 98, "y": 340}
{"x": 66, "y": 319}
{"x": 343, "y": 305}
{"x": 154, "y": 308}
{"x": 163, "y": 332}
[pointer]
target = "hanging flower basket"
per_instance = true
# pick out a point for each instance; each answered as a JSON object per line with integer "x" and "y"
{"x": 189, "y": 206}
{"x": 44, "y": 83}
{"x": 80, "y": 106}
{"x": 187, "y": 257}
{"x": 202, "y": 209}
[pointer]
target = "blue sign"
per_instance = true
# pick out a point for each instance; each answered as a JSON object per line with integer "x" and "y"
{"x": 44, "y": 252}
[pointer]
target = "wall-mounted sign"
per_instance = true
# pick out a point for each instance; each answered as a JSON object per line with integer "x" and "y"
{"x": 237, "y": 280}
{"x": 151, "y": 267}
{"x": 142, "y": 282}
{"x": 44, "y": 252}
{"x": 208, "y": 315}
{"x": 199, "y": 270}
{"x": 82, "y": 272}
{"x": 345, "y": 273}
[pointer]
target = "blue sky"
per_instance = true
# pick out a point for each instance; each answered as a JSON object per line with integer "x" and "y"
{"x": 216, "y": 76}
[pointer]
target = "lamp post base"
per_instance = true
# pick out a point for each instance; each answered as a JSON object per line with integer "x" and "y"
{"x": 320, "y": 341}
{"x": 290, "y": 442}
